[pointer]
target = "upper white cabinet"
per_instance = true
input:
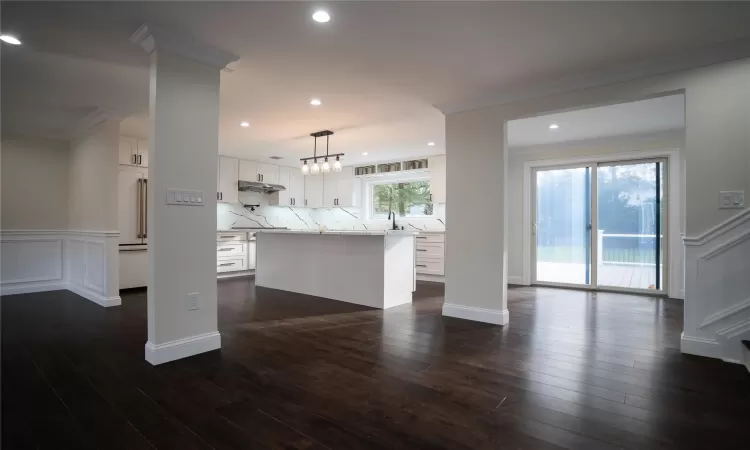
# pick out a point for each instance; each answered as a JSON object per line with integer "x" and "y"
{"x": 294, "y": 195}
{"x": 268, "y": 173}
{"x": 226, "y": 190}
{"x": 340, "y": 189}
{"x": 253, "y": 171}
{"x": 437, "y": 178}
{"x": 133, "y": 152}
{"x": 249, "y": 171}
{"x": 313, "y": 191}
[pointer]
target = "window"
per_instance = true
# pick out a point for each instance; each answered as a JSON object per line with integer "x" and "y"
{"x": 406, "y": 198}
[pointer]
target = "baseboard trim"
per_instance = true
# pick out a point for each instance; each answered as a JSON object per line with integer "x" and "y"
{"x": 694, "y": 345}
{"x": 493, "y": 316}
{"x": 95, "y": 297}
{"x": 30, "y": 288}
{"x": 182, "y": 348}
{"x": 517, "y": 281}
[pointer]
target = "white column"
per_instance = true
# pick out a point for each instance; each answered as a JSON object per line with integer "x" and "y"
{"x": 476, "y": 269}
{"x": 183, "y": 139}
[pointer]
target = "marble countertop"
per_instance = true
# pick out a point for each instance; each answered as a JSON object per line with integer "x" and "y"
{"x": 343, "y": 232}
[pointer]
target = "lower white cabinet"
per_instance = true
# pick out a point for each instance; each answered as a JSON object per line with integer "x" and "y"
{"x": 430, "y": 250}
{"x": 235, "y": 253}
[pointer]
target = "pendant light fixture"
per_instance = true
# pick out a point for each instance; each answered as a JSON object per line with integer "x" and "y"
{"x": 315, "y": 169}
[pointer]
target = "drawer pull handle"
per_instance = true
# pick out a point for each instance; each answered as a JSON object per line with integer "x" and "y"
{"x": 230, "y": 237}
{"x": 421, "y": 265}
{"x": 226, "y": 249}
{"x": 421, "y": 237}
{"x": 421, "y": 250}
{"x": 226, "y": 264}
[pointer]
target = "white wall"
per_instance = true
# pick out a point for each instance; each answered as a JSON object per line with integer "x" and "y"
{"x": 716, "y": 155}
{"x": 673, "y": 139}
{"x": 35, "y": 182}
{"x": 93, "y": 178}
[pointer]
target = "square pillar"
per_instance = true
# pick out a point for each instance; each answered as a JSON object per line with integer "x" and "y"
{"x": 183, "y": 139}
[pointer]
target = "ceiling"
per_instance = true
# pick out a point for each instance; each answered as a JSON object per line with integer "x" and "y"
{"x": 645, "y": 116}
{"x": 379, "y": 67}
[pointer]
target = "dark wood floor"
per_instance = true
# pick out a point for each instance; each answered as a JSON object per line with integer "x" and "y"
{"x": 572, "y": 370}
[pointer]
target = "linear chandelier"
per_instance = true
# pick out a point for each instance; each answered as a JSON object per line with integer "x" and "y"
{"x": 325, "y": 167}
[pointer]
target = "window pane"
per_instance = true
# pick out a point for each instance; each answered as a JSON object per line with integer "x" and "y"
{"x": 405, "y": 199}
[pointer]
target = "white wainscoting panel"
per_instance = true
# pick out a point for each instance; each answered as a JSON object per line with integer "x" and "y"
{"x": 717, "y": 290}
{"x": 31, "y": 263}
{"x": 84, "y": 262}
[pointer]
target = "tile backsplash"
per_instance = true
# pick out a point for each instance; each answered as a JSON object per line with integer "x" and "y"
{"x": 335, "y": 218}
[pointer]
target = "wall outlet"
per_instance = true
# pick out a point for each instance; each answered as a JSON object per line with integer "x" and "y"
{"x": 731, "y": 199}
{"x": 192, "y": 303}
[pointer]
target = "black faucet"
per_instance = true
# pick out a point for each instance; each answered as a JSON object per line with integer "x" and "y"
{"x": 394, "y": 220}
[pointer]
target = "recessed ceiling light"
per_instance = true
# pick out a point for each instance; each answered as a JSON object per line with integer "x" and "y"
{"x": 321, "y": 16}
{"x": 554, "y": 126}
{"x": 10, "y": 39}
{"x": 431, "y": 144}
{"x": 365, "y": 153}
{"x": 316, "y": 102}
{"x": 245, "y": 124}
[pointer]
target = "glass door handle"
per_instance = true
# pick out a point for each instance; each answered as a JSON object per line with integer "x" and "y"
{"x": 534, "y": 228}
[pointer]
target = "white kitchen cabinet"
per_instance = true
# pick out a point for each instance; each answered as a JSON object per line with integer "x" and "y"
{"x": 294, "y": 195}
{"x": 341, "y": 189}
{"x": 249, "y": 171}
{"x": 268, "y": 173}
{"x": 226, "y": 191}
{"x": 133, "y": 152}
{"x": 436, "y": 164}
{"x": 430, "y": 253}
{"x": 142, "y": 153}
{"x": 314, "y": 191}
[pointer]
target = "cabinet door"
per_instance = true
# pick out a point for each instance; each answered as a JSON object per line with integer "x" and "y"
{"x": 251, "y": 255}
{"x": 437, "y": 178}
{"x": 269, "y": 173}
{"x": 330, "y": 189}
{"x": 249, "y": 171}
{"x": 282, "y": 198}
{"x": 296, "y": 186}
{"x": 128, "y": 151}
{"x": 129, "y": 206}
{"x": 228, "y": 172}
{"x": 142, "y": 153}
{"x": 314, "y": 191}
{"x": 348, "y": 188}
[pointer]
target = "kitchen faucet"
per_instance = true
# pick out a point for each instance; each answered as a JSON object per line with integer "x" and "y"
{"x": 394, "y": 220}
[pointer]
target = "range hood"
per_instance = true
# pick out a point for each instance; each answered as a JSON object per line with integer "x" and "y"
{"x": 259, "y": 186}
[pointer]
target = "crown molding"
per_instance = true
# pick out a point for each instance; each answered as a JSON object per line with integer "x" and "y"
{"x": 676, "y": 62}
{"x": 96, "y": 117}
{"x": 152, "y": 38}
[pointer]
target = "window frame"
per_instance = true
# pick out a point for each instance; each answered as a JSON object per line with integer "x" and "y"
{"x": 369, "y": 204}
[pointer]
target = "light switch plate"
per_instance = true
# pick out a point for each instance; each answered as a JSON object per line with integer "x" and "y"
{"x": 731, "y": 199}
{"x": 184, "y": 197}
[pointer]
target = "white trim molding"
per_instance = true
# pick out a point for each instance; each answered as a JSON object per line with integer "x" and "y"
{"x": 717, "y": 307}
{"x": 82, "y": 261}
{"x": 151, "y": 37}
{"x": 493, "y": 316}
{"x": 182, "y": 348}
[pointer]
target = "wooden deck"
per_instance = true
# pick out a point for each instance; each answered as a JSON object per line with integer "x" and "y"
{"x": 626, "y": 276}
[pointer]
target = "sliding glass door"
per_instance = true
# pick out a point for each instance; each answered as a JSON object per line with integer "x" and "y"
{"x": 630, "y": 224}
{"x": 563, "y": 226}
{"x": 600, "y": 225}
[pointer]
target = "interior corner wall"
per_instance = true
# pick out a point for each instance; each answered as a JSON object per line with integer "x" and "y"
{"x": 93, "y": 179}
{"x": 35, "y": 182}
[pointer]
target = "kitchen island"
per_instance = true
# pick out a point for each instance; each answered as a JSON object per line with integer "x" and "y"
{"x": 369, "y": 268}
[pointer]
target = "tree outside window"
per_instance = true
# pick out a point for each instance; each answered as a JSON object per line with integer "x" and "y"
{"x": 406, "y": 199}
